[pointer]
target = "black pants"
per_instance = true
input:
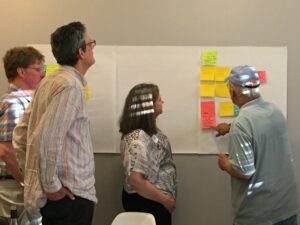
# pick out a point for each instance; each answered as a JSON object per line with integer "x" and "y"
{"x": 68, "y": 212}
{"x": 136, "y": 203}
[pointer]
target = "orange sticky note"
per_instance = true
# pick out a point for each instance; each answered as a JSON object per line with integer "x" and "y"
{"x": 262, "y": 76}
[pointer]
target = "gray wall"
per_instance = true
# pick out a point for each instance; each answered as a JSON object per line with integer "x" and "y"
{"x": 204, "y": 191}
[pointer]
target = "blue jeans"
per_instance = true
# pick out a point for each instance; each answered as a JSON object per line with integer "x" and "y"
{"x": 290, "y": 221}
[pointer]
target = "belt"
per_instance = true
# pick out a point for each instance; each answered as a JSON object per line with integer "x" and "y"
{"x": 6, "y": 177}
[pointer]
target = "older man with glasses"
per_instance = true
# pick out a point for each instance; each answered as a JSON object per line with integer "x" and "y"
{"x": 24, "y": 69}
{"x": 59, "y": 171}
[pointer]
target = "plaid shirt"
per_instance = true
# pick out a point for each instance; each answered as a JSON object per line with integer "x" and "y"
{"x": 12, "y": 106}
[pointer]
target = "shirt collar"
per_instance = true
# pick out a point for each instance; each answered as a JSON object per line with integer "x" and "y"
{"x": 75, "y": 72}
{"x": 252, "y": 102}
{"x": 18, "y": 91}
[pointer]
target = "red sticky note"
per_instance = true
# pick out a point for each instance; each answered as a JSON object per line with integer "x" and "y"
{"x": 208, "y": 114}
{"x": 262, "y": 77}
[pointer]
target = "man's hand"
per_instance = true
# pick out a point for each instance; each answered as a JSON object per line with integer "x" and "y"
{"x": 225, "y": 165}
{"x": 223, "y": 161}
{"x": 222, "y": 129}
{"x": 55, "y": 196}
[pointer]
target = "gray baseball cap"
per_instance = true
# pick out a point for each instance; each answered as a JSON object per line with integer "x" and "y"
{"x": 244, "y": 76}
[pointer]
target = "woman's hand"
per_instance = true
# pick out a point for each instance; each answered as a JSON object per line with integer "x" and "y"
{"x": 146, "y": 189}
{"x": 169, "y": 203}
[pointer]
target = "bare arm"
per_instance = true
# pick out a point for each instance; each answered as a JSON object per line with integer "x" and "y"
{"x": 225, "y": 165}
{"x": 19, "y": 141}
{"x": 8, "y": 155}
{"x": 144, "y": 188}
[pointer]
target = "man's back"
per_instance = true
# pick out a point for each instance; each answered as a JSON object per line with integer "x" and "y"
{"x": 54, "y": 133}
{"x": 58, "y": 130}
{"x": 271, "y": 193}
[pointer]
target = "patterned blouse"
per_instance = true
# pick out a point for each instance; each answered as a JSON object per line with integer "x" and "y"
{"x": 150, "y": 156}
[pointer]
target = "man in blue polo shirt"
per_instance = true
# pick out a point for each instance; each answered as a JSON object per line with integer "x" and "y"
{"x": 264, "y": 189}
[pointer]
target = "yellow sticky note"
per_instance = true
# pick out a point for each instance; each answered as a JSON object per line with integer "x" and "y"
{"x": 207, "y": 73}
{"x": 207, "y": 90}
{"x": 87, "y": 92}
{"x": 222, "y": 90}
{"x": 209, "y": 58}
{"x": 221, "y": 73}
{"x": 51, "y": 68}
{"x": 226, "y": 109}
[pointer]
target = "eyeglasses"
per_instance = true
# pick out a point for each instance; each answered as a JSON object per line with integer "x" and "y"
{"x": 38, "y": 69}
{"x": 91, "y": 43}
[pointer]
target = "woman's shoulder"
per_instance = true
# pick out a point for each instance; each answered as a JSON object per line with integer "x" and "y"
{"x": 137, "y": 134}
{"x": 161, "y": 136}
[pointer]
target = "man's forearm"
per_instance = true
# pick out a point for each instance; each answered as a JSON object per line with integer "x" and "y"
{"x": 232, "y": 172}
{"x": 14, "y": 170}
{"x": 9, "y": 157}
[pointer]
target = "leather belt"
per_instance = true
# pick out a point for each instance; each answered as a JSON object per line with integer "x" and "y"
{"x": 6, "y": 177}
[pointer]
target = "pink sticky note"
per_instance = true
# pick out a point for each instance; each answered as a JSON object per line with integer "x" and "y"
{"x": 208, "y": 114}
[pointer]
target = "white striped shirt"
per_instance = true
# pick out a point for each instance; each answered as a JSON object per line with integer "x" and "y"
{"x": 55, "y": 134}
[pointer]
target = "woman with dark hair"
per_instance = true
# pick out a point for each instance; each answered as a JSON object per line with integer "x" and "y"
{"x": 150, "y": 173}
